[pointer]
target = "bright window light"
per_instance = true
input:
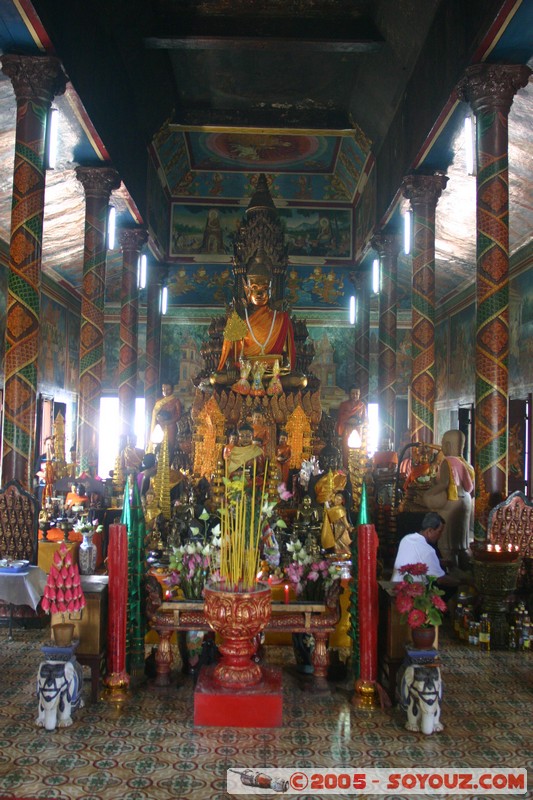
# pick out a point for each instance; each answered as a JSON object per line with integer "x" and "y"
{"x": 111, "y": 227}
{"x": 109, "y": 432}
{"x": 164, "y": 300}
{"x": 141, "y": 271}
{"x": 407, "y": 225}
{"x": 469, "y": 145}
{"x": 372, "y": 438}
{"x": 353, "y": 312}
{"x": 52, "y": 133}
{"x": 376, "y": 276}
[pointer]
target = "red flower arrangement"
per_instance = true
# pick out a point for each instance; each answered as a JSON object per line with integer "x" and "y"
{"x": 419, "y": 600}
{"x": 63, "y": 593}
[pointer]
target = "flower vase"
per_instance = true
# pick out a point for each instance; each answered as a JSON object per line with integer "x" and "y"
{"x": 423, "y": 637}
{"x": 237, "y": 617}
{"x": 87, "y": 554}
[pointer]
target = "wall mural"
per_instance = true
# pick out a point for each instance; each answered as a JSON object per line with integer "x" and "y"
{"x": 72, "y": 353}
{"x": 203, "y": 229}
{"x": 52, "y": 342}
{"x": 521, "y": 333}
{"x": 212, "y": 285}
{"x": 462, "y": 353}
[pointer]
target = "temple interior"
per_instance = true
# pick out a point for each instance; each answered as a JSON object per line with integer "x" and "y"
{"x": 279, "y": 251}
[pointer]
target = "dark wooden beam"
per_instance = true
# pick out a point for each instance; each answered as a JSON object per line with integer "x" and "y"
{"x": 272, "y": 44}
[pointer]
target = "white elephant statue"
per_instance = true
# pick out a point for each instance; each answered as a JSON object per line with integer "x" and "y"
{"x": 59, "y": 693}
{"x": 421, "y": 693}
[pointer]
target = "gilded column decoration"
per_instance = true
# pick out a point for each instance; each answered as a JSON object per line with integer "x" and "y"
{"x": 36, "y": 80}
{"x": 153, "y": 345}
{"x": 361, "y": 284}
{"x": 387, "y": 245}
{"x": 423, "y": 191}
{"x": 490, "y": 89}
{"x": 98, "y": 183}
{"x": 131, "y": 241}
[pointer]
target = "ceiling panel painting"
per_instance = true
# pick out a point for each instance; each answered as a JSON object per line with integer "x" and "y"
{"x": 262, "y": 151}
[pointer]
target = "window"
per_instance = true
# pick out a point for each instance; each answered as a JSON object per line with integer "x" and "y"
{"x": 109, "y": 432}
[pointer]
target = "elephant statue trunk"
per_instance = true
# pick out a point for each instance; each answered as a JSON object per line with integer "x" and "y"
{"x": 59, "y": 692}
{"x": 421, "y": 694}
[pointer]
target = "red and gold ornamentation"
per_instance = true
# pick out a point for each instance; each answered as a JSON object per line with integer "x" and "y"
{"x": 237, "y": 617}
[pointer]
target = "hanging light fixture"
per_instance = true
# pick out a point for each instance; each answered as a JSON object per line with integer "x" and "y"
{"x": 376, "y": 282}
{"x": 164, "y": 300}
{"x": 470, "y": 144}
{"x": 353, "y": 309}
{"x": 111, "y": 227}
{"x": 52, "y": 135}
{"x": 407, "y": 227}
{"x": 141, "y": 271}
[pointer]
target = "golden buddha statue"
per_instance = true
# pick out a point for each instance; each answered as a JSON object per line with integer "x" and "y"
{"x": 265, "y": 334}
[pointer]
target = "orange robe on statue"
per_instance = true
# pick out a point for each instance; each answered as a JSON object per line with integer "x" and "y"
{"x": 269, "y": 333}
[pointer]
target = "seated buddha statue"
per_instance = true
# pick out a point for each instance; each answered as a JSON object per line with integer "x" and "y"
{"x": 264, "y": 334}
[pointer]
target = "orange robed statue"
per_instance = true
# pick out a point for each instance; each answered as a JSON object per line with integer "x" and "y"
{"x": 350, "y": 416}
{"x": 264, "y": 333}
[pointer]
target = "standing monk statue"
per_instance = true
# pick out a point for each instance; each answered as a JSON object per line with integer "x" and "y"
{"x": 264, "y": 334}
{"x": 350, "y": 416}
{"x": 166, "y": 413}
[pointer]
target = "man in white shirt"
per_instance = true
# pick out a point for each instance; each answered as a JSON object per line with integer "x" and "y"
{"x": 419, "y": 548}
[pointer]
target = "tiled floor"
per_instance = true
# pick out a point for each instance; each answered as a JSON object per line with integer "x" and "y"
{"x": 150, "y": 750}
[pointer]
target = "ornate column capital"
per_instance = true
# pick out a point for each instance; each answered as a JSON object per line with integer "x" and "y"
{"x": 386, "y": 244}
{"x": 492, "y": 86}
{"x": 98, "y": 181}
{"x": 35, "y": 78}
{"x": 132, "y": 239}
{"x": 424, "y": 189}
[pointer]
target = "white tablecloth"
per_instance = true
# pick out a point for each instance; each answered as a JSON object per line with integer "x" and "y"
{"x": 23, "y": 588}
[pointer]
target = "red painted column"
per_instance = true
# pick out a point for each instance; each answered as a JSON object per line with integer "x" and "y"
{"x": 36, "y": 80}
{"x": 131, "y": 241}
{"x": 98, "y": 183}
{"x": 361, "y": 283}
{"x": 490, "y": 89}
{"x": 423, "y": 191}
{"x": 387, "y": 245}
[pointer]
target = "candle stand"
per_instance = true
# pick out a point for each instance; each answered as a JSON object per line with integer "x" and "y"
{"x": 495, "y": 576}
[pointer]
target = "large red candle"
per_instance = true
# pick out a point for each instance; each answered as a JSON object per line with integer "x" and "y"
{"x": 117, "y": 567}
{"x": 368, "y": 602}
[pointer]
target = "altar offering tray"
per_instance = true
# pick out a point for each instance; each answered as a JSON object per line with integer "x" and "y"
{"x": 10, "y": 567}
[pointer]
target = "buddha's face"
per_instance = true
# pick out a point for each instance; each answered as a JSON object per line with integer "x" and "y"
{"x": 355, "y": 394}
{"x": 245, "y": 438}
{"x": 258, "y": 291}
{"x": 306, "y": 502}
{"x": 167, "y": 389}
{"x": 338, "y": 500}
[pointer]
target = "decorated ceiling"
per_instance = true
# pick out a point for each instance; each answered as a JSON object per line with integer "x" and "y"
{"x": 334, "y": 101}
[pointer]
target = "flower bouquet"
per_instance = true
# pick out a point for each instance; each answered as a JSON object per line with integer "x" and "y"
{"x": 310, "y": 577}
{"x": 191, "y": 565}
{"x": 418, "y": 597}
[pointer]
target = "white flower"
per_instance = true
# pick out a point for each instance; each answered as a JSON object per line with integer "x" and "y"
{"x": 190, "y": 549}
